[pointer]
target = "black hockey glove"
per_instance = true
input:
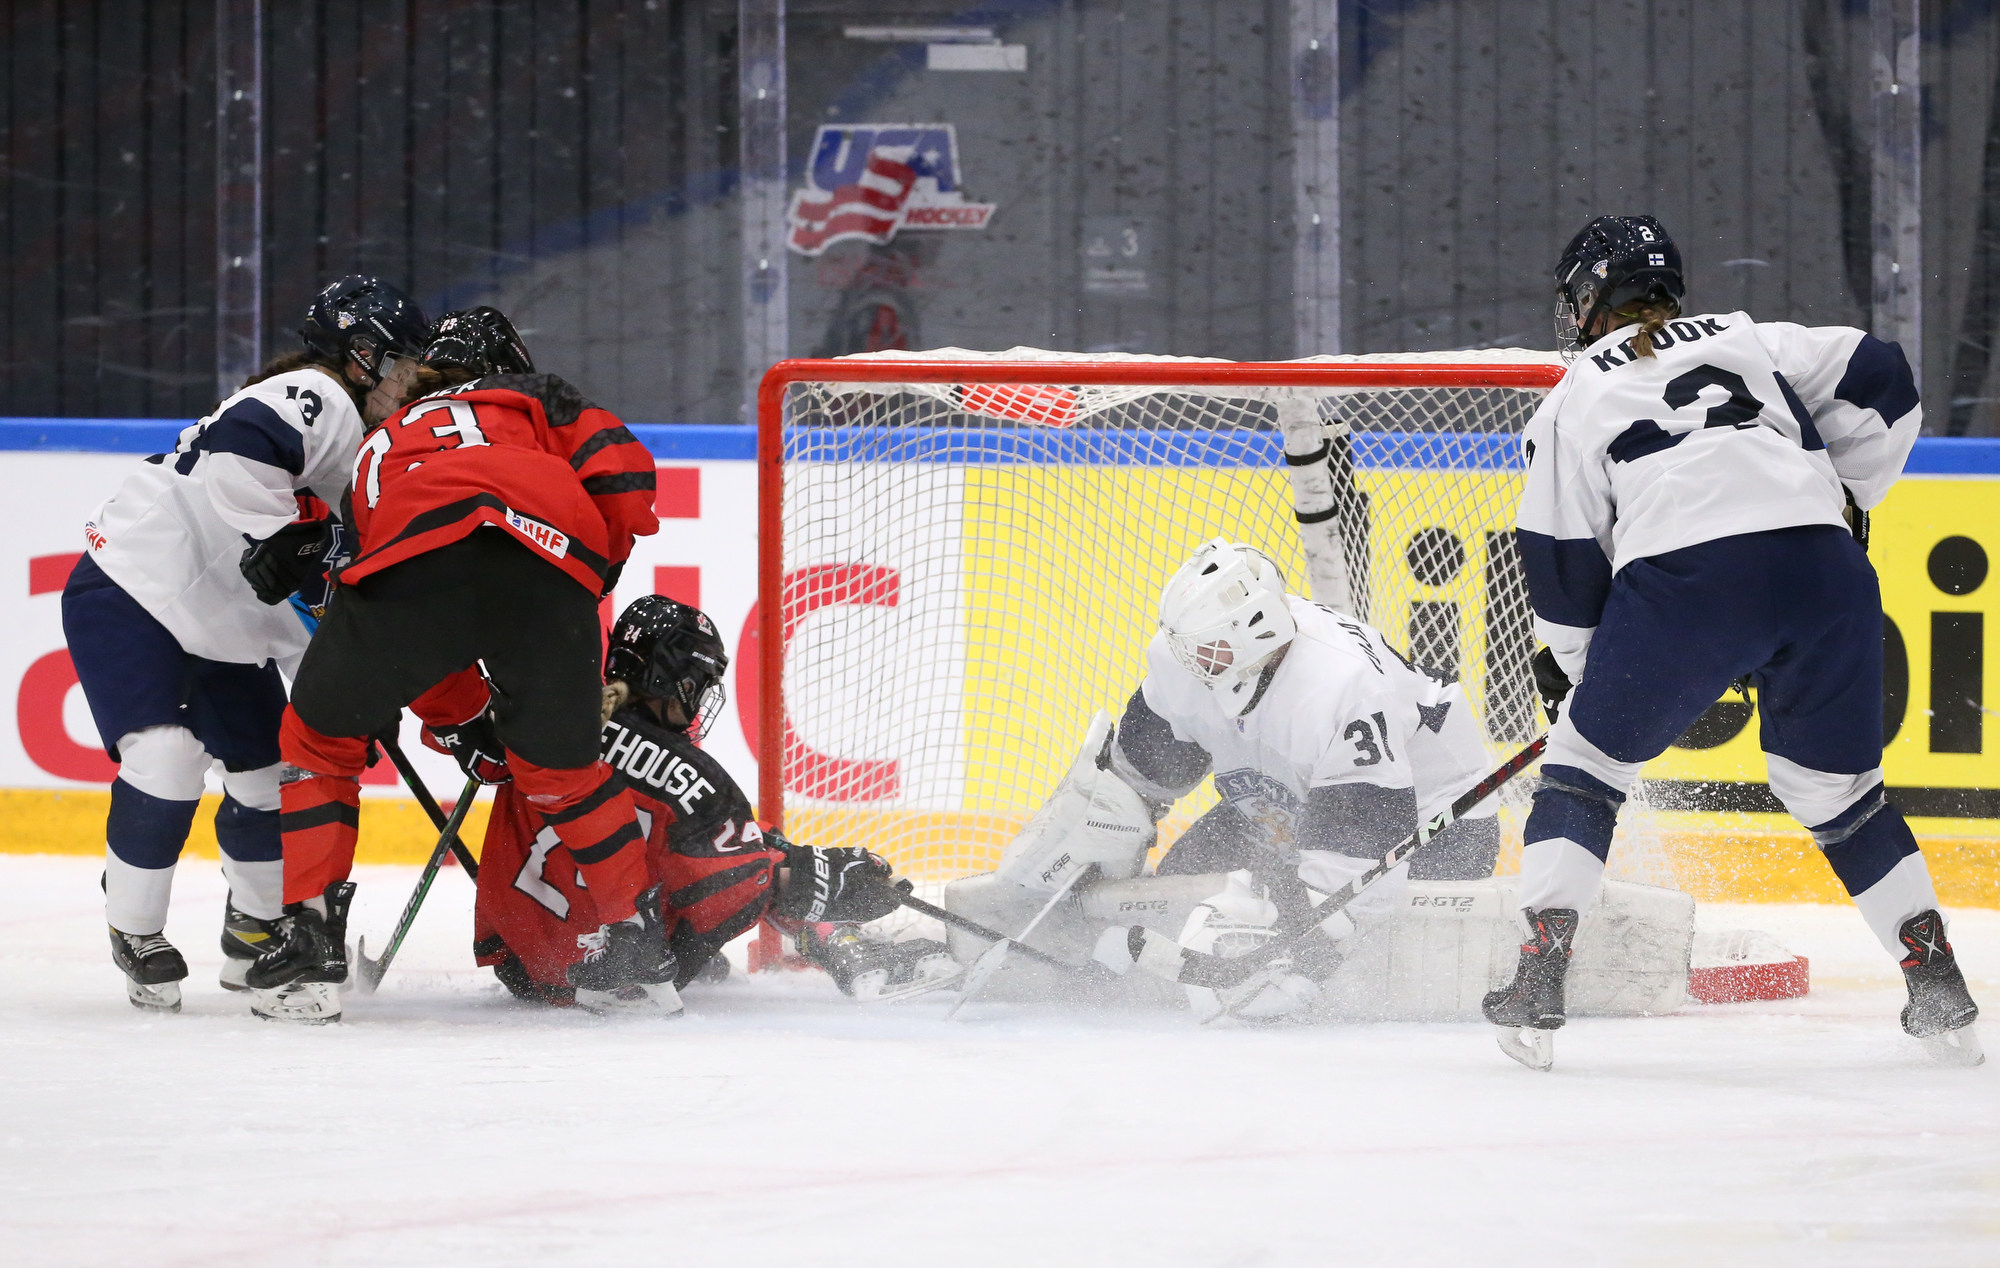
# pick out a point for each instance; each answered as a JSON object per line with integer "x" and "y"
{"x": 611, "y": 576}
{"x": 840, "y": 885}
{"x": 1551, "y": 683}
{"x": 277, "y": 566}
{"x": 475, "y": 745}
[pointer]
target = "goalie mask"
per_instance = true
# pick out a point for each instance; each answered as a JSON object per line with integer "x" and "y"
{"x": 1224, "y": 617}
{"x": 665, "y": 650}
{"x": 1611, "y": 262}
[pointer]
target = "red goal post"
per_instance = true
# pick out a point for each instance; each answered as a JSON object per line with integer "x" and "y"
{"x": 860, "y": 455}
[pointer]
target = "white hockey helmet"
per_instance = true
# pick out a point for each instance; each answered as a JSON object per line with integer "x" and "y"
{"x": 1224, "y": 616}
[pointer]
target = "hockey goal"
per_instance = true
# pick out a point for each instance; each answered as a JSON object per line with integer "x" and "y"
{"x": 962, "y": 553}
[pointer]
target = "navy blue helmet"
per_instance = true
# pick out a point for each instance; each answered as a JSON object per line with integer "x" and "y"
{"x": 1611, "y": 262}
{"x": 362, "y": 320}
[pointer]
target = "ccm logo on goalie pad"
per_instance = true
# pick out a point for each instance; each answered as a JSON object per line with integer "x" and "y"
{"x": 550, "y": 539}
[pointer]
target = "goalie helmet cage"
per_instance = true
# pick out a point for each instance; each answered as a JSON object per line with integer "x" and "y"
{"x": 961, "y": 555}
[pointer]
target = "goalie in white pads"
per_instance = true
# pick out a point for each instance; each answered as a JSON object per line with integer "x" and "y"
{"x": 1326, "y": 746}
{"x": 1691, "y": 486}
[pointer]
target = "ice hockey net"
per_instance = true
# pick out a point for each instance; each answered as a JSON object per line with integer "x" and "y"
{"x": 962, "y": 554}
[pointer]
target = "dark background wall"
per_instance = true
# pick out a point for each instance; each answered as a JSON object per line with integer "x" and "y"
{"x": 574, "y": 162}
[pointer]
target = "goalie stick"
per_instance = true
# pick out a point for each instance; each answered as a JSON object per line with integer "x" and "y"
{"x": 368, "y": 974}
{"x": 1161, "y": 956}
{"x": 989, "y": 962}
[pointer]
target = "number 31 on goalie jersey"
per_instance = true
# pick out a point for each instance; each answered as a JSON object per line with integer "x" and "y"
{"x": 464, "y": 424}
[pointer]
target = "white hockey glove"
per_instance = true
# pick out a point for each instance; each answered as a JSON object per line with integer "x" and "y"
{"x": 1092, "y": 817}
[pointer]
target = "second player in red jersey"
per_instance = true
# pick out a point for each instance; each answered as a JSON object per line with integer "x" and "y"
{"x": 717, "y": 871}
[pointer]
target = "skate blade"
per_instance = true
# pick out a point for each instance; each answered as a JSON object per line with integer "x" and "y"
{"x": 161, "y": 997}
{"x": 921, "y": 985}
{"x": 661, "y": 1002}
{"x": 303, "y": 1003}
{"x": 1955, "y": 1047}
{"x": 1533, "y": 1048}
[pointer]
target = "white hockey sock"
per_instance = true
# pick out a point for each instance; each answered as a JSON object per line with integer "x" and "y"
{"x": 1904, "y": 892}
{"x": 135, "y": 898}
{"x": 257, "y": 889}
{"x": 1559, "y": 873}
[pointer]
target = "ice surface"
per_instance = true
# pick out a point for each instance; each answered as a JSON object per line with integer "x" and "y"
{"x": 442, "y": 1125}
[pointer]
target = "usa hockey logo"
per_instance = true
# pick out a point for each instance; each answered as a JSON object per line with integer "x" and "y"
{"x": 867, "y": 181}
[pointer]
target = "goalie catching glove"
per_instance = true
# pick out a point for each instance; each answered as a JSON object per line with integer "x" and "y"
{"x": 1092, "y": 817}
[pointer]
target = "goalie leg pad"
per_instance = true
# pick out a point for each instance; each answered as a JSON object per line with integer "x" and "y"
{"x": 1092, "y": 817}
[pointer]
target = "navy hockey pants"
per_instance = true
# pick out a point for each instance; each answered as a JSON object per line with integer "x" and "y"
{"x": 1800, "y": 611}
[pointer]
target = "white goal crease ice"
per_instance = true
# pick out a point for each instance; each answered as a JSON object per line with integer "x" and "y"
{"x": 963, "y": 553}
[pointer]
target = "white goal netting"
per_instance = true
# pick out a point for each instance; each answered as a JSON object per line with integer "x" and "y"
{"x": 972, "y": 568}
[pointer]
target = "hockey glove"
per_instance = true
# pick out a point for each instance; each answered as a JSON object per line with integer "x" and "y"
{"x": 849, "y": 884}
{"x": 1551, "y": 683}
{"x": 475, "y": 745}
{"x": 277, "y": 566}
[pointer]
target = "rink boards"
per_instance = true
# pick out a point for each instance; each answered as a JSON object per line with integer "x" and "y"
{"x": 1943, "y": 770}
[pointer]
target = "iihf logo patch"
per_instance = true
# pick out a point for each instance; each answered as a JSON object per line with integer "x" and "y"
{"x": 865, "y": 181}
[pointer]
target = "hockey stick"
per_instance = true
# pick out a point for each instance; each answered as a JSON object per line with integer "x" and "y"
{"x": 369, "y": 974}
{"x": 989, "y": 961}
{"x": 977, "y": 930}
{"x": 423, "y": 795}
{"x": 1166, "y": 959}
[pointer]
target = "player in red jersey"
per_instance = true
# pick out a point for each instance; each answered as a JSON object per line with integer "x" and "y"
{"x": 492, "y": 511}
{"x": 717, "y": 871}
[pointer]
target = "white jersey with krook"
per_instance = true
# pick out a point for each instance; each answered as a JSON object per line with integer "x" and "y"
{"x": 1733, "y": 426}
{"x": 173, "y": 534}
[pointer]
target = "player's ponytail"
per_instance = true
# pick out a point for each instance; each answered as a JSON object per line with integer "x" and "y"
{"x": 428, "y": 381}
{"x": 1650, "y": 314}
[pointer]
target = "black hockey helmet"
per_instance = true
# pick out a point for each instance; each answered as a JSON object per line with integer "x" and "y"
{"x": 478, "y": 340}
{"x": 1611, "y": 262}
{"x": 363, "y": 320}
{"x": 665, "y": 650}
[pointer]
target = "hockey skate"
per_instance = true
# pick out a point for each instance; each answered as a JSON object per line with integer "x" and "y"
{"x": 1530, "y": 1010}
{"x": 628, "y": 970}
{"x": 153, "y": 970}
{"x": 298, "y": 976}
{"x": 1941, "y": 1011}
{"x": 244, "y": 938}
{"x": 874, "y": 970}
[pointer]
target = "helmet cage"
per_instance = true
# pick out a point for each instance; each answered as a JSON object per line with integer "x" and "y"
{"x": 1224, "y": 616}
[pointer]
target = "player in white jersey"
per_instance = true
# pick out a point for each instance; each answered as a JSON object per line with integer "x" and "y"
{"x": 1695, "y": 512}
{"x": 1326, "y": 746}
{"x": 178, "y": 628}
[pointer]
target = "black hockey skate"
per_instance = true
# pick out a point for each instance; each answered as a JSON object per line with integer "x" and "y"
{"x": 298, "y": 977}
{"x": 1530, "y": 1011}
{"x": 871, "y": 968}
{"x": 1941, "y": 1011}
{"x": 628, "y": 968}
{"x": 153, "y": 970}
{"x": 244, "y": 938}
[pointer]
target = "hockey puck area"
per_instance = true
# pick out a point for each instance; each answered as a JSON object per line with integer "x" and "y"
{"x": 1736, "y": 966}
